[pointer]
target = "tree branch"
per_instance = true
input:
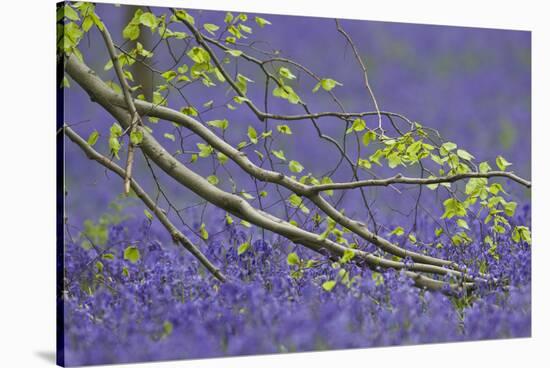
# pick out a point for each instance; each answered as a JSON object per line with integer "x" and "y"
{"x": 129, "y": 104}
{"x": 400, "y": 179}
{"x": 113, "y": 102}
{"x": 237, "y": 206}
{"x": 177, "y": 235}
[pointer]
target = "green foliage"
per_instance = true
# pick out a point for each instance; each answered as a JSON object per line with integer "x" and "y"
{"x": 243, "y": 248}
{"x": 292, "y": 259}
{"x": 114, "y": 143}
{"x": 93, "y": 137}
{"x": 286, "y": 92}
{"x": 297, "y": 202}
{"x": 221, "y": 124}
{"x": 205, "y": 150}
{"x": 131, "y": 253}
{"x": 453, "y": 207}
{"x": 329, "y": 285}
{"x": 502, "y": 163}
{"x": 295, "y": 166}
{"x": 252, "y": 134}
{"x": 261, "y": 21}
{"x": 358, "y": 126}
{"x": 279, "y": 154}
{"x": 327, "y": 84}
{"x": 203, "y": 232}
{"x": 398, "y": 231}
{"x": 136, "y": 136}
{"x": 286, "y": 73}
{"x": 284, "y": 129}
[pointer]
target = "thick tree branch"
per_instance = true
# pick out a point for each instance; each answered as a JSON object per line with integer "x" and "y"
{"x": 115, "y": 104}
{"x": 237, "y": 206}
{"x": 177, "y": 235}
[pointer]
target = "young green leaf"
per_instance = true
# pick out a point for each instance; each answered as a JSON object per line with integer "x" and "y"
{"x": 213, "y": 179}
{"x": 502, "y": 163}
{"x": 252, "y": 134}
{"x": 243, "y": 248}
{"x": 261, "y": 21}
{"x": 279, "y": 154}
{"x": 204, "y": 232}
{"x": 221, "y": 124}
{"x": 132, "y": 254}
{"x": 211, "y": 28}
{"x": 295, "y": 166}
{"x": 286, "y": 73}
{"x": 329, "y": 285}
{"x": 92, "y": 139}
{"x": 284, "y": 129}
{"x": 292, "y": 259}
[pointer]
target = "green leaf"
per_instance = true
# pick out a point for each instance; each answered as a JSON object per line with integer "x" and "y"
{"x": 398, "y": 231}
{"x": 296, "y": 201}
{"x": 204, "y": 232}
{"x": 279, "y": 154}
{"x": 221, "y": 124}
{"x": 131, "y": 31}
{"x": 199, "y": 55}
{"x": 114, "y": 146}
{"x": 327, "y": 180}
{"x": 148, "y": 215}
{"x": 148, "y": 20}
{"x": 358, "y": 126}
{"x": 438, "y": 232}
{"x": 221, "y": 158}
{"x": 213, "y": 179}
{"x": 108, "y": 256}
{"x": 463, "y": 224}
{"x": 210, "y": 28}
{"x": 252, "y": 134}
{"x": 169, "y": 75}
{"x": 189, "y": 110}
{"x": 205, "y": 150}
{"x": 284, "y": 129}
{"x": 92, "y": 139}
{"x": 261, "y": 21}
{"x": 182, "y": 14}
{"x": 131, "y": 254}
{"x": 484, "y": 167}
{"x": 286, "y": 73}
{"x": 453, "y": 207}
{"x": 329, "y": 285}
{"x": 328, "y": 84}
{"x": 446, "y": 148}
{"x": 347, "y": 256}
{"x": 70, "y": 13}
{"x": 136, "y": 136}
{"x": 246, "y": 195}
{"x": 287, "y": 93}
{"x": 170, "y": 136}
{"x": 364, "y": 164}
{"x": 167, "y": 328}
{"x": 521, "y": 233}
{"x": 235, "y": 53}
{"x": 295, "y": 166}
{"x": 243, "y": 248}
{"x": 292, "y": 259}
{"x": 510, "y": 208}
{"x": 368, "y": 137}
{"x": 464, "y": 155}
{"x": 502, "y": 163}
